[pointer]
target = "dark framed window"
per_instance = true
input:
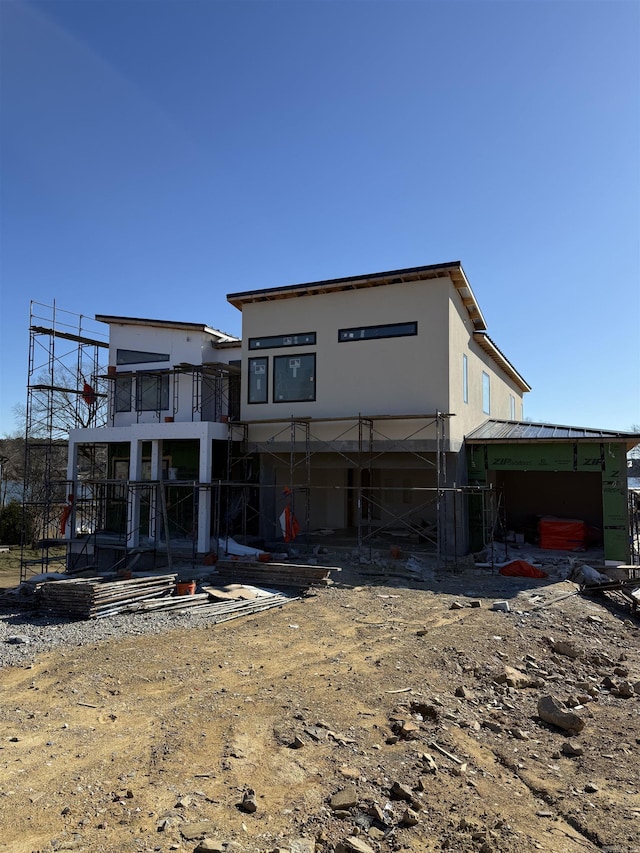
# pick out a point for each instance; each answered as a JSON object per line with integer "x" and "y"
{"x": 134, "y": 356}
{"x": 302, "y": 339}
{"x": 152, "y": 392}
{"x": 294, "y": 378}
{"x": 368, "y": 333}
{"x": 258, "y": 380}
{"x": 123, "y": 394}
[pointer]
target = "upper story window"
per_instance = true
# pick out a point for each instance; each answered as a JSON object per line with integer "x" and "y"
{"x": 152, "y": 392}
{"x": 294, "y": 378}
{"x": 486, "y": 393}
{"x": 465, "y": 379}
{"x": 273, "y": 341}
{"x": 512, "y": 407}
{"x": 258, "y": 380}
{"x": 123, "y": 394}
{"x": 367, "y": 333}
{"x": 134, "y": 356}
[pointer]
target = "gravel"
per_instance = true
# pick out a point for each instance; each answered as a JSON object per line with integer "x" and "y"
{"x": 26, "y": 633}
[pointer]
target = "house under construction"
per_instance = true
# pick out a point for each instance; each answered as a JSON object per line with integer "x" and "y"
{"x": 359, "y": 412}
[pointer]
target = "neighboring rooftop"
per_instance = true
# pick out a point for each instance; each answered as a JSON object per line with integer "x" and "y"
{"x": 515, "y": 431}
{"x": 452, "y": 270}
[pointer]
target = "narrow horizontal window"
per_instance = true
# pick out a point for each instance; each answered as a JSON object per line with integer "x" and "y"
{"x": 273, "y": 341}
{"x": 258, "y": 380}
{"x": 134, "y": 356}
{"x": 367, "y": 333}
{"x": 294, "y": 378}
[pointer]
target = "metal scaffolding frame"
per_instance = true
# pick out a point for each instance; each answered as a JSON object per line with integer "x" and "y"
{"x": 64, "y": 391}
{"x": 212, "y": 390}
{"x": 360, "y": 441}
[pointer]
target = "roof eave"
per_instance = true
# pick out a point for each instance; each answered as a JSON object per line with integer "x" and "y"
{"x": 486, "y": 344}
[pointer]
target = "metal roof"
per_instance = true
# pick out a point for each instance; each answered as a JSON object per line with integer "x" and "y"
{"x": 522, "y": 431}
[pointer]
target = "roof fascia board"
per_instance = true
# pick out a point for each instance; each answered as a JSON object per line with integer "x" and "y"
{"x": 486, "y": 344}
{"x": 164, "y": 324}
{"x": 452, "y": 269}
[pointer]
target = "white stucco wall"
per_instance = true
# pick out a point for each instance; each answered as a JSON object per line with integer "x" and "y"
{"x": 184, "y": 346}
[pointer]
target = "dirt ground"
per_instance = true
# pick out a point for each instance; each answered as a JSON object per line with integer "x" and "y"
{"x": 365, "y": 717}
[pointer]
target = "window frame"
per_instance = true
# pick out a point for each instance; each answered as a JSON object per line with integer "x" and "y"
{"x": 486, "y": 393}
{"x": 266, "y": 381}
{"x": 287, "y": 341}
{"x": 130, "y": 356}
{"x": 123, "y": 388}
{"x": 161, "y": 391}
{"x": 512, "y": 407}
{"x": 465, "y": 378}
{"x": 277, "y": 358}
{"x": 342, "y": 339}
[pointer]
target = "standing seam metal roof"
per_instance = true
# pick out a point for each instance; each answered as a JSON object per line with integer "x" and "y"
{"x": 506, "y": 431}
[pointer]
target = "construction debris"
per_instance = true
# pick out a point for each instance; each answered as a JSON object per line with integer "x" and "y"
{"x": 279, "y": 575}
{"x": 94, "y": 598}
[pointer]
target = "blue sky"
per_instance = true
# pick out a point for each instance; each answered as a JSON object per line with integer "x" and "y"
{"x": 158, "y": 155}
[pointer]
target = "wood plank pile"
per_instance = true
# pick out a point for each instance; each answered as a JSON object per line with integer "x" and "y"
{"x": 279, "y": 575}
{"x": 93, "y": 598}
{"x": 219, "y": 611}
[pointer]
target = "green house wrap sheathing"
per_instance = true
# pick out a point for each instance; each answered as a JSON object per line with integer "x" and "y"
{"x": 608, "y": 458}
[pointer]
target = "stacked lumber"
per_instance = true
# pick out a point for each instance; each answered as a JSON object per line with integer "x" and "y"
{"x": 279, "y": 575}
{"x": 94, "y": 598}
{"x": 219, "y": 611}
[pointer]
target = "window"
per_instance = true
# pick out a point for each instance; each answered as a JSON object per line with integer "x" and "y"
{"x": 465, "y": 379}
{"x": 258, "y": 379}
{"x": 133, "y": 356}
{"x": 123, "y": 394}
{"x": 294, "y": 378}
{"x": 486, "y": 393}
{"x": 152, "y": 392}
{"x": 365, "y": 333}
{"x": 302, "y": 339}
{"x": 512, "y": 407}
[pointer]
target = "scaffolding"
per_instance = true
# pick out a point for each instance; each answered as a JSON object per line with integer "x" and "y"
{"x": 64, "y": 391}
{"x": 361, "y": 443}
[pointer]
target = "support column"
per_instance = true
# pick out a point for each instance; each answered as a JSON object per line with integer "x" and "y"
{"x": 155, "y": 521}
{"x": 204, "y": 495}
{"x": 72, "y": 486}
{"x": 133, "y": 494}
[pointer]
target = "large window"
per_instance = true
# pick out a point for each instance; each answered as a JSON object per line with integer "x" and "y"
{"x": 486, "y": 393}
{"x": 465, "y": 379}
{"x": 134, "y": 356}
{"x": 294, "y": 378}
{"x": 258, "y": 380}
{"x": 367, "y": 333}
{"x": 152, "y": 392}
{"x": 123, "y": 394}
{"x": 303, "y": 339}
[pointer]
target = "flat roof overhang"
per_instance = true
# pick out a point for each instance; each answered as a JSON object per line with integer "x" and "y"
{"x": 452, "y": 270}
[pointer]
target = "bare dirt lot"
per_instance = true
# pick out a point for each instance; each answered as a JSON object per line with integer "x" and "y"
{"x": 364, "y": 717}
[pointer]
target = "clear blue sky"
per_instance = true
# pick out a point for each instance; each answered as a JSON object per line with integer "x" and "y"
{"x": 159, "y": 155}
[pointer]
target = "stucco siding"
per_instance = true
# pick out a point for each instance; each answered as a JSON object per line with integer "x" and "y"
{"x": 395, "y": 375}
